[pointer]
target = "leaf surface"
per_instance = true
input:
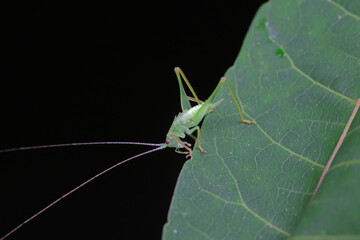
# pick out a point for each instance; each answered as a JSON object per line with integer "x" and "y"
{"x": 298, "y": 76}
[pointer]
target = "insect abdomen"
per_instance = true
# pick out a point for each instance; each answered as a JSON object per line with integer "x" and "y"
{"x": 189, "y": 115}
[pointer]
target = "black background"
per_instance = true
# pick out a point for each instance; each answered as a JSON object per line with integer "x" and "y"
{"x": 102, "y": 72}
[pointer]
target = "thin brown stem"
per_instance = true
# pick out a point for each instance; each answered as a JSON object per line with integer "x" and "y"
{"x": 337, "y": 147}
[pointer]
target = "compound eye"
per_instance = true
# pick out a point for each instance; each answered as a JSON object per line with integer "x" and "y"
{"x": 167, "y": 141}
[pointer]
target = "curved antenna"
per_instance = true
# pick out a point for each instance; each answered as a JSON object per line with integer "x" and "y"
{"x": 78, "y": 187}
{"x": 77, "y": 144}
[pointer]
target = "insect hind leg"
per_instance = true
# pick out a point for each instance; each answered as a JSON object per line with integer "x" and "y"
{"x": 222, "y": 80}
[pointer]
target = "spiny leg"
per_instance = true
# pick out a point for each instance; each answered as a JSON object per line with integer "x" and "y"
{"x": 179, "y": 73}
{"x": 222, "y": 80}
{"x": 209, "y": 105}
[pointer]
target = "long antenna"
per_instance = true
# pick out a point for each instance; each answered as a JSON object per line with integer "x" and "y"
{"x": 76, "y": 144}
{"x": 160, "y": 146}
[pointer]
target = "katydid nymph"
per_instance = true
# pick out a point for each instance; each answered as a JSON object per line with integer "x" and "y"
{"x": 185, "y": 123}
{"x": 189, "y": 119}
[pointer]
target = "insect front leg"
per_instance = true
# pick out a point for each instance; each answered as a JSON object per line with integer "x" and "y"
{"x": 183, "y": 144}
{"x": 181, "y": 152}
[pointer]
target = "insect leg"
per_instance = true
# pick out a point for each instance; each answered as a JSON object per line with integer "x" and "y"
{"x": 181, "y": 152}
{"x": 179, "y": 73}
{"x": 222, "y": 80}
{"x": 198, "y": 137}
{"x": 182, "y": 144}
{"x": 194, "y": 100}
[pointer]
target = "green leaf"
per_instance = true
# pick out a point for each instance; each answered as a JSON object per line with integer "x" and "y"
{"x": 335, "y": 211}
{"x": 298, "y": 76}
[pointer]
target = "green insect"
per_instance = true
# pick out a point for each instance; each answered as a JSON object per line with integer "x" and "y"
{"x": 189, "y": 119}
{"x": 185, "y": 123}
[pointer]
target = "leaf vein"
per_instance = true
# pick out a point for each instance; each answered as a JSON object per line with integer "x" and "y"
{"x": 353, "y": 130}
{"x": 293, "y": 191}
{"x": 244, "y": 204}
{"x": 322, "y": 121}
{"x": 195, "y": 229}
{"x": 343, "y": 164}
{"x": 271, "y": 139}
{"x": 287, "y": 149}
{"x": 347, "y": 12}
{"x": 306, "y": 75}
{"x": 249, "y": 211}
{"x": 321, "y": 237}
